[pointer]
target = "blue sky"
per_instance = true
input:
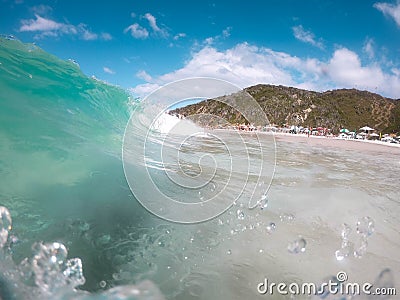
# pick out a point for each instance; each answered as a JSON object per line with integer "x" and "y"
{"x": 141, "y": 45}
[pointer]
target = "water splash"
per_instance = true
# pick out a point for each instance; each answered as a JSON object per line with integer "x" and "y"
{"x": 5, "y": 225}
{"x": 48, "y": 264}
{"x": 240, "y": 214}
{"x": 287, "y": 218}
{"x": 346, "y": 230}
{"x": 49, "y": 274}
{"x": 271, "y": 227}
{"x": 361, "y": 247}
{"x": 297, "y": 246}
{"x": 264, "y": 202}
{"x": 365, "y": 226}
{"x": 346, "y": 250}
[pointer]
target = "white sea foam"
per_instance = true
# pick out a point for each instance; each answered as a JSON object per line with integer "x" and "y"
{"x": 166, "y": 123}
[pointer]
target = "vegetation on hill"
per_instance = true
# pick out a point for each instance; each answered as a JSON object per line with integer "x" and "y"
{"x": 343, "y": 108}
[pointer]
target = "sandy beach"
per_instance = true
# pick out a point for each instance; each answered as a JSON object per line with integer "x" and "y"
{"x": 356, "y": 145}
{"x": 333, "y": 142}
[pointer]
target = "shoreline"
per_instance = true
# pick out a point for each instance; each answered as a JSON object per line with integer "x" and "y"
{"x": 359, "y": 145}
{"x": 332, "y": 142}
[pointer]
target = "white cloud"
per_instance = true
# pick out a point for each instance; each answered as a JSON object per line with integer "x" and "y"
{"x": 42, "y": 9}
{"x": 345, "y": 69}
{"x": 396, "y": 72}
{"x": 390, "y": 10}
{"x": 86, "y": 34}
{"x": 246, "y": 65}
{"x": 369, "y": 48}
{"x": 226, "y": 32}
{"x": 137, "y": 31}
{"x": 45, "y": 27}
{"x": 209, "y": 40}
{"x": 145, "y": 89}
{"x": 106, "y": 36}
{"x": 108, "y": 70}
{"x": 179, "y": 35}
{"x": 214, "y": 39}
{"x": 40, "y": 24}
{"x": 144, "y": 75}
{"x": 153, "y": 24}
{"x": 152, "y": 21}
{"x": 306, "y": 36}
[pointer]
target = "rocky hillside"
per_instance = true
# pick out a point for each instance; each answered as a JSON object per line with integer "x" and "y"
{"x": 344, "y": 108}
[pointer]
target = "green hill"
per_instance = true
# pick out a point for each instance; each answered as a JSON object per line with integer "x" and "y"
{"x": 344, "y": 108}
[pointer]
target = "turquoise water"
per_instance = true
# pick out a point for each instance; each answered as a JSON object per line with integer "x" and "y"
{"x": 62, "y": 179}
{"x": 60, "y": 148}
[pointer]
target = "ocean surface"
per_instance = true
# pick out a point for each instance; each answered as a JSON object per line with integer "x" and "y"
{"x": 266, "y": 208}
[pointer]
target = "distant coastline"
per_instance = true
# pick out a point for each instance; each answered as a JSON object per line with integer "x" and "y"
{"x": 288, "y": 106}
{"x": 329, "y": 141}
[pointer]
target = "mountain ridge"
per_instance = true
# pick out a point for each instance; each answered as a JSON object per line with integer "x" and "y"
{"x": 335, "y": 109}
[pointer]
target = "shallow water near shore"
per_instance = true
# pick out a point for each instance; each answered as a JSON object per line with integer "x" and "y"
{"x": 62, "y": 180}
{"x": 314, "y": 191}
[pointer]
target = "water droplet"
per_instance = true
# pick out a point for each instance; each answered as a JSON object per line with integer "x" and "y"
{"x": 102, "y": 284}
{"x": 13, "y": 240}
{"x": 229, "y": 252}
{"x": 271, "y": 227}
{"x": 346, "y": 230}
{"x": 297, "y": 246}
{"x": 263, "y": 202}
{"x": 345, "y": 251}
{"x": 201, "y": 196}
{"x": 5, "y": 225}
{"x": 361, "y": 249}
{"x": 240, "y": 214}
{"x": 74, "y": 272}
{"x": 25, "y": 269}
{"x": 287, "y": 218}
{"x": 55, "y": 252}
{"x": 261, "y": 251}
{"x": 47, "y": 265}
{"x": 339, "y": 255}
{"x": 366, "y": 226}
{"x": 212, "y": 186}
